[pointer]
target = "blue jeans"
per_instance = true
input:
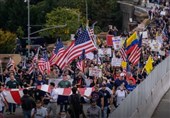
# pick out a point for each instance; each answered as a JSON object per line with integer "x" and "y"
{"x": 104, "y": 112}
{"x": 27, "y": 114}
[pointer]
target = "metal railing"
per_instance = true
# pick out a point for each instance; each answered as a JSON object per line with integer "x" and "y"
{"x": 143, "y": 100}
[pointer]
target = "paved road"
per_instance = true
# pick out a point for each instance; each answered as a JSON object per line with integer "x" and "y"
{"x": 163, "y": 108}
{"x": 18, "y": 113}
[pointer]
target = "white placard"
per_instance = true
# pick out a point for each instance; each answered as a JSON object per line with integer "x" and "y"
{"x": 145, "y": 34}
{"x": 95, "y": 72}
{"x": 116, "y": 62}
{"x": 105, "y": 51}
{"x": 155, "y": 45}
{"x": 90, "y": 56}
{"x": 116, "y": 42}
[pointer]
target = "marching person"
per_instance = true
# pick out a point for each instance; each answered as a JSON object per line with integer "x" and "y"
{"x": 12, "y": 84}
{"x": 107, "y": 100}
{"x": 27, "y": 104}
{"x": 75, "y": 105}
{"x": 3, "y": 103}
{"x": 63, "y": 100}
{"x": 93, "y": 111}
{"x": 52, "y": 105}
{"x": 39, "y": 111}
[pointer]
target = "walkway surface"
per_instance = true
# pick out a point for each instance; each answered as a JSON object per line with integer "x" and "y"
{"x": 163, "y": 108}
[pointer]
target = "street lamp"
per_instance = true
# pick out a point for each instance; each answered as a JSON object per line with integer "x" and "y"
{"x": 28, "y": 25}
{"x": 86, "y": 14}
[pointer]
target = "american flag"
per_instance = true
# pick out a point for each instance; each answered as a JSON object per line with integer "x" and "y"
{"x": 44, "y": 64}
{"x": 123, "y": 52}
{"x": 136, "y": 53}
{"x": 91, "y": 33}
{"x": 10, "y": 64}
{"x": 80, "y": 63}
{"x": 61, "y": 61}
{"x": 57, "y": 52}
{"x": 82, "y": 41}
{"x": 85, "y": 42}
{"x": 34, "y": 61}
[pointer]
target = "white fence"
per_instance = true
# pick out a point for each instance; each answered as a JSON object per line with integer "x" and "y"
{"x": 142, "y": 101}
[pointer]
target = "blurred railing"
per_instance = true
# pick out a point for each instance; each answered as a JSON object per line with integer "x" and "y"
{"x": 143, "y": 100}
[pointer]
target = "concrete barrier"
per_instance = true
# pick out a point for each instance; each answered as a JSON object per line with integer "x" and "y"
{"x": 141, "y": 102}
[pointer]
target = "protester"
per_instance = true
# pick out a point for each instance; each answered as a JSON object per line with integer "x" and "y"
{"x": 52, "y": 105}
{"x": 74, "y": 104}
{"x": 63, "y": 100}
{"x": 107, "y": 100}
{"x": 39, "y": 111}
{"x": 3, "y": 103}
{"x": 27, "y": 104}
{"x": 93, "y": 111}
{"x": 12, "y": 84}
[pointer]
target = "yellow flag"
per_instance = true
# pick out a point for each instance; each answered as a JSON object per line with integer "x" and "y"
{"x": 131, "y": 39}
{"x": 124, "y": 64}
{"x": 149, "y": 67}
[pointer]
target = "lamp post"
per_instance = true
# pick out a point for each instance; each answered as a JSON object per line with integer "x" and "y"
{"x": 86, "y": 14}
{"x": 28, "y": 25}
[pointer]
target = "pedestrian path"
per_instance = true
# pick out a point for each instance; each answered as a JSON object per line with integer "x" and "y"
{"x": 163, "y": 108}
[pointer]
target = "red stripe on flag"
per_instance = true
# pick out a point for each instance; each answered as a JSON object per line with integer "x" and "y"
{"x": 82, "y": 90}
{"x": 67, "y": 91}
{"x": 16, "y": 96}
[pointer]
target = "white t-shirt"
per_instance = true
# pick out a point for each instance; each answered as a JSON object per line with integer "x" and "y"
{"x": 120, "y": 93}
{"x": 40, "y": 113}
{"x": 2, "y": 100}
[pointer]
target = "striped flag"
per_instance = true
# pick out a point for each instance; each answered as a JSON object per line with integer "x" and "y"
{"x": 80, "y": 63}
{"x": 136, "y": 53}
{"x": 44, "y": 64}
{"x": 123, "y": 52}
{"x": 91, "y": 33}
{"x": 10, "y": 64}
{"x": 57, "y": 52}
{"x": 34, "y": 61}
{"x": 61, "y": 62}
{"x": 83, "y": 41}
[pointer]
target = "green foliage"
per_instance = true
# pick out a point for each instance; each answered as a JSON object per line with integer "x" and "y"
{"x": 7, "y": 41}
{"x": 14, "y": 15}
{"x": 61, "y": 16}
{"x": 20, "y": 32}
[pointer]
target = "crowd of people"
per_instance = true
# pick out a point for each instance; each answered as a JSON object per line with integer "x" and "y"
{"x": 109, "y": 90}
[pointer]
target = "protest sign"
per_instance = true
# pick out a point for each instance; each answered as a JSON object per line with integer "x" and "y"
{"x": 105, "y": 51}
{"x": 116, "y": 62}
{"x": 155, "y": 45}
{"x": 116, "y": 42}
{"x": 95, "y": 72}
{"x": 145, "y": 34}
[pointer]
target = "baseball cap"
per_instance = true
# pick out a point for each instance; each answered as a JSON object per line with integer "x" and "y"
{"x": 122, "y": 74}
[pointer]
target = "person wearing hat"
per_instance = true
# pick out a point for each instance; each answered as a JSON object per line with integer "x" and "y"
{"x": 120, "y": 80}
{"x": 93, "y": 111}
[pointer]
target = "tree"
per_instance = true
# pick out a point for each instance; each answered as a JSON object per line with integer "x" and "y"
{"x": 61, "y": 16}
{"x": 7, "y": 41}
